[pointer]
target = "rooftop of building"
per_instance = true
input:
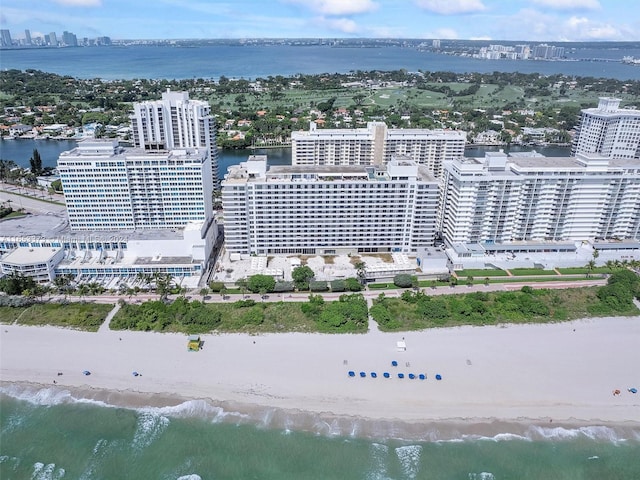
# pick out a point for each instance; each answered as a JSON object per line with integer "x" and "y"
{"x": 538, "y": 161}
{"x": 30, "y": 255}
{"x": 57, "y": 226}
{"x": 397, "y": 168}
{"x": 90, "y": 148}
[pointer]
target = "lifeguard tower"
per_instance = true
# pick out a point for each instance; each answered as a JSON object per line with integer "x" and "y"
{"x": 194, "y": 343}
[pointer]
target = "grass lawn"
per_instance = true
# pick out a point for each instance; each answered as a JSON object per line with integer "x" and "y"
{"x": 479, "y": 272}
{"x": 382, "y": 286}
{"x": 584, "y": 270}
{"x": 81, "y": 316}
{"x": 531, "y": 272}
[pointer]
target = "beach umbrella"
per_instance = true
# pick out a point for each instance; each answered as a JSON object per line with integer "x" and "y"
{"x": 374, "y": 375}
{"x": 394, "y": 363}
{"x": 401, "y": 375}
{"x": 412, "y": 376}
{"x": 352, "y": 373}
{"x": 135, "y": 374}
{"x": 385, "y": 374}
{"x": 86, "y": 372}
{"x": 422, "y": 376}
{"x": 362, "y": 374}
{"x": 438, "y": 376}
{"x": 633, "y": 390}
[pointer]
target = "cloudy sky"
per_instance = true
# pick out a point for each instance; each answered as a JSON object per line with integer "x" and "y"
{"x": 540, "y": 20}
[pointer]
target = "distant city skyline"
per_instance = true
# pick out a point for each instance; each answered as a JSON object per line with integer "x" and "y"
{"x": 531, "y": 20}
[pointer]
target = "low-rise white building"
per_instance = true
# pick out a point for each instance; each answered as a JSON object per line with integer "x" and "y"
{"x": 105, "y": 255}
{"x": 38, "y": 263}
{"x": 328, "y": 210}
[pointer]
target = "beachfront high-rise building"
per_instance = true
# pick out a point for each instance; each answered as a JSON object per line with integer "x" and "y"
{"x": 175, "y": 121}
{"x": 500, "y": 199}
{"x": 327, "y": 209}
{"x": 608, "y": 130}
{"x": 27, "y": 37}
{"x": 107, "y": 187}
{"x": 376, "y": 145}
{"x": 5, "y": 38}
{"x": 69, "y": 39}
{"x": 53, "y": 39}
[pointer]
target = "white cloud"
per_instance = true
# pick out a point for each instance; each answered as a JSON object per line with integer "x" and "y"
{"x": 582, "y": 28}
{"x": 451, "y": 7}
{"x": 448, "y": 33}
{"x": 344, "y": 25}
{"x": 337, "y": 7}
{"x": 568, "y": 4}
{"x": 80, "y": 3}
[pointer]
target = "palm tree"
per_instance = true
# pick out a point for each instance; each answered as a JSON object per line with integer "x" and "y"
{"x": 361, "y": 271}
{"x": 204, "y": 292}
{"x": 241, "y": 283}
{"x": 83, "y": 290}
{"x": 163, "y": 282}
{"x": 590, "y": 266}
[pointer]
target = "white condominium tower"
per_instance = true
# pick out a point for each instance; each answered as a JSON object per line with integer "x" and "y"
{"x": 107, "y": 187}
{"x": 326, "y": 210}
{"x": 376, "y": 145}
{"x": 175, "y": 122}
{"x": 609, "y": 131}
{"x": 499, "y": 199}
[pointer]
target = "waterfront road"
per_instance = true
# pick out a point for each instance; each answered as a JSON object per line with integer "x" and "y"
{"x": 29, "y": 202}
{"x": 368, "y": 294}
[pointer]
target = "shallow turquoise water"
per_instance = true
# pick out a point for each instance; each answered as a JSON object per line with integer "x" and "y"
{"x": 44, "y": 437}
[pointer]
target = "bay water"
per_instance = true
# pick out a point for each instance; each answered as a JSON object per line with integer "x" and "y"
{"x": 20, "y": 151}
{"x": 255, "y": 61}
{"x": 48, "y": 433}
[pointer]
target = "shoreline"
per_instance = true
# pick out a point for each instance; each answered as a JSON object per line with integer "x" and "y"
{"x": 524, "y": 380}
{"x": 327, "y": 423}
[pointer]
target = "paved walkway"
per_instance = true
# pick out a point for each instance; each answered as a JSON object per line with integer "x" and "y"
{"x": 105, "y": 325}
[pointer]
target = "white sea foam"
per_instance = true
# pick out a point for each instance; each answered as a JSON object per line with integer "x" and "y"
{"x": 13, "y": 422}
{"x": 379, "y": 458}
{"x": 13, "y": 461}
{"x": 500, "y": 437}
{"x": 99, "y": 451}
{"x": 481, "y": 476}
{"x": 46, "y": 472}
{"x": 193, "y": 476}
{"x": 409, "y": 457}
{"x": 560, "y": 433}
{"x": 267, "y": 417}
{"x": 149, "y": 427}
{"x": 46, "y": 396}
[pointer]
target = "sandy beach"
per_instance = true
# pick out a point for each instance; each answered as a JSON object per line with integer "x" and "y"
{"x": 556, "y": 374}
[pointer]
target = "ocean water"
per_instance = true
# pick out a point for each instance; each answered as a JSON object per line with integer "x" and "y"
{"x": 49, "y": 433}
{"x": 250, "y": 62}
